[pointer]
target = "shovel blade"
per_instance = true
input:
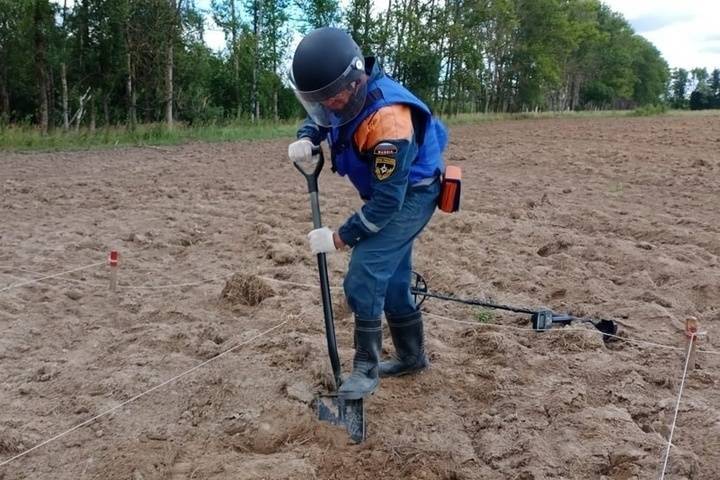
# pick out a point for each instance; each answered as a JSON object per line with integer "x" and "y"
{"x": 607, "y": 327}
{"x": 346, "y": 413}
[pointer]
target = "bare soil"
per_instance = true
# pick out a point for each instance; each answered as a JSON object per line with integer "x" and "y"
{"x": 615, "y": 216}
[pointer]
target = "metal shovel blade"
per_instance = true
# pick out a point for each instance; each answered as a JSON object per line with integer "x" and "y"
{"x": 347, "y": 413}
{"x": 607, "y": 327}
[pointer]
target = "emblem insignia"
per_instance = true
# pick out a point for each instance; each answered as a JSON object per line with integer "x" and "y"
{"x": 384, "y": 167}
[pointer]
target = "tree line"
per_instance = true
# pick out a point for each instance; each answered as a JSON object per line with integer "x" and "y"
{"x": 695, "y": 89}
{"x": 124, "y": 62}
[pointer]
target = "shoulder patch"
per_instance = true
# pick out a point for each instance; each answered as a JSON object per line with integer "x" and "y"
{"x": 391, "y": 122}
{"x": 385, "y": 149}
{"x": 384, "y": 167}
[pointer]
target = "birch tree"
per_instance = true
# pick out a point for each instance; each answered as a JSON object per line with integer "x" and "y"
{"x": 226, "y": 14}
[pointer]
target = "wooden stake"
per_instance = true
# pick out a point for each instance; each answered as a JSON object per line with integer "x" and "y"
{"x": 692, "y": 329}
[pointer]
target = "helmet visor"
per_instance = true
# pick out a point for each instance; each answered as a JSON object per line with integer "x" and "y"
{"x": 340, "y": 101}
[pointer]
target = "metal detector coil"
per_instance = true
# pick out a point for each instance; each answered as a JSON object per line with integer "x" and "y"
{"x": 419, "y": 288}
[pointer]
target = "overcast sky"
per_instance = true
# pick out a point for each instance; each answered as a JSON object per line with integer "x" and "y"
{"x": 687, "y": 33}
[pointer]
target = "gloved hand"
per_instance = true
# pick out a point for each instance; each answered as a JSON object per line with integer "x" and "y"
{"x": 300, "y": 150}
{"x": 321, "y": 240}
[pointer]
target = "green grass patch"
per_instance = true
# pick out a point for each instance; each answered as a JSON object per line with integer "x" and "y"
{"x": 20, "y": 138}
{"x": 484, "y": 315}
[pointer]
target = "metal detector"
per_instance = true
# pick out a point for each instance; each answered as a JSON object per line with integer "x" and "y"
{"x": 329, "y": 406}
{"x": 542, "y": 319}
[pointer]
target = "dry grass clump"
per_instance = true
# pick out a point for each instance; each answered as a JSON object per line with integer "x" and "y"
{"x": 245, "y": 290}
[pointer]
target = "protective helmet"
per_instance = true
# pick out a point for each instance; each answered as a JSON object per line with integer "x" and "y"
{"x": 328, "y": 76}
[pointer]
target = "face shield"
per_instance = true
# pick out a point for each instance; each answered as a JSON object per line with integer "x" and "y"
{"x": 340, "y": 101}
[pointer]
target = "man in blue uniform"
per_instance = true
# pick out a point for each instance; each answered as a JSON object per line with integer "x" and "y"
{"x": 390, "y": 146}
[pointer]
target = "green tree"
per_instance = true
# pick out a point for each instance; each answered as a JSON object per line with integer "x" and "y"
{"x": 466, "y": 85}
{"x": 612, "y": 63}
{"x": 253, "y": 7}
{"x": 15, "y": 72}
{"x": 411, "y": 51}
{"x": 715, "y": 87}
{"x": 546, "y": 38}
{"x": 360, "y": 22}
{"x": 700, "y": 99}
{"x": 702, "y": 96}
{"x": 699, "y": 77}
{"x": 173, "y": 29}
{"x": 576, "y": 66}
{"x": 42, "y": 30}
{"x": 502, "y": 39}
{"x": 145, "y": 60}
{"x": 226, "y": 14}
{"x": 679, "y": 83}
{"x": 274, "y": 43}
{"x": 318, "y": 13}
{"x": 651, "y": 73}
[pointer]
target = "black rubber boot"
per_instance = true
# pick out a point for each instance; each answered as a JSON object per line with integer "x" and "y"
{"x": 364, "y": 378}
{"x": 407, "y": 336}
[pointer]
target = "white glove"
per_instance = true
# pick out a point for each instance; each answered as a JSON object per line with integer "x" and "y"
{"x": 300, "y": 150}
{"x": 321, "y": 240}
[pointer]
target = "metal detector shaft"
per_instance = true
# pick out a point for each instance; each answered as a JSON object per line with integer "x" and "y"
{"x": 542, "y": 319}
{"x": 478, "y": 303}
{"x": 311, "y": 176}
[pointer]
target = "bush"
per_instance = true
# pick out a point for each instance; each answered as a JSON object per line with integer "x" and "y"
{"x": 649, "y": 110}
{"x": 701, "y": 100}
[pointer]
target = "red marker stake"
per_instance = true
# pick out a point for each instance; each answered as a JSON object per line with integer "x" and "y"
{"x": 113, "y": 262}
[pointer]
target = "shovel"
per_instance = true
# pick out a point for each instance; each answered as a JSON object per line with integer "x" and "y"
{"x": 329, "y": 406}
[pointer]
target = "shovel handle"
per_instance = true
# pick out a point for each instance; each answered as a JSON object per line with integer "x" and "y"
{"x": 329, "y": 319}
{"x": 311, "y": 171}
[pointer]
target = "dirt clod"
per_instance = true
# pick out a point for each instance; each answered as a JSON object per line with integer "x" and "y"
{"x": 245, "y": 290}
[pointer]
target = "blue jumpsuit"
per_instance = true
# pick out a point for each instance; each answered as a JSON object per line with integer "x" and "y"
{"x": 399, "y": 181}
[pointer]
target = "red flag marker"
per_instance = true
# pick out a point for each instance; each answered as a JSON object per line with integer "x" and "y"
{"x": 114, "y": 258}
{"x": 113, "y": 262}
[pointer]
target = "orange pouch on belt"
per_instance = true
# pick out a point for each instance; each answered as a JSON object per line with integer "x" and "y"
{"x": 449, "y": 200}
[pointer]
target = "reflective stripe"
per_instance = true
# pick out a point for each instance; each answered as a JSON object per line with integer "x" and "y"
{"x": 370, "y": 226}
{"x": 424, "y": 182}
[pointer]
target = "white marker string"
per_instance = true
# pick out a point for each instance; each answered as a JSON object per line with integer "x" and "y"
{"x": 160, "y": 287}
{"x": 677, "y": 406}
{"x": 37, "y": 280}
{"x": 117, "y": 407}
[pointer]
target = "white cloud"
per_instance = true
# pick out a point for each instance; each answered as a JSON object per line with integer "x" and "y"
{"x": 683, "y": 31}
{"x": 215, "y": 39}
{"x": 655, "y": 21}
